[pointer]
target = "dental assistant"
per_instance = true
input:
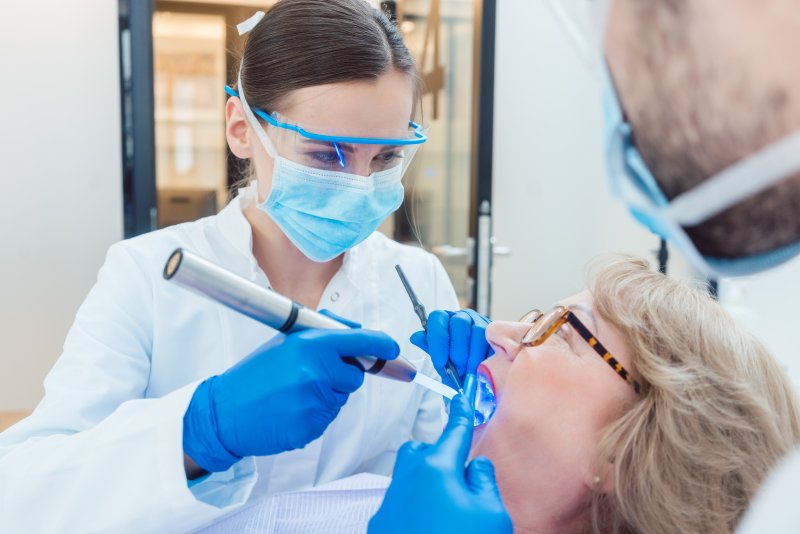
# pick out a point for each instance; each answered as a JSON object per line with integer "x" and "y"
{"x": 166, "y": 410}
{"x": 701, "y": 168}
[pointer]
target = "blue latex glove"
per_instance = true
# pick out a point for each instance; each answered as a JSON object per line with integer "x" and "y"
{"x": 458, "y": 336}
{"x": 280, "y": 397}
{"x": 431, "y": 491}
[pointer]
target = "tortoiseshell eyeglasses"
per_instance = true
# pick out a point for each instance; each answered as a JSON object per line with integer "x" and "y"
{"x": 545, "y": 325}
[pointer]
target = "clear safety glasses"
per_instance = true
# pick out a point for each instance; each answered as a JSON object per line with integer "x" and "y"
{"x": 335, "y": 151}
{"x": 545, "y": 325}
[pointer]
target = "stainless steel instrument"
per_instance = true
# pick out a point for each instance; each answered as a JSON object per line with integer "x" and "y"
{"x": 268, "y": 307}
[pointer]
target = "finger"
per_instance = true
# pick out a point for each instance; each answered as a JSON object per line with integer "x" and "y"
{"x": 408, "y": 457}
{"x": 460, "y": 330}
{"x": 412, "y": 448}
{"x": 481, "y": 478}
{"x": 355, "y": 342}
{"x": 420, "y": 339}
{"x": 439, "y": 337}
{"x": 344, "y": 378}
{"x": 348, "y": 322}
{"x": 478, "y": 347}
{"x": 457, "y": 436}
{"x": 477, "y": 318}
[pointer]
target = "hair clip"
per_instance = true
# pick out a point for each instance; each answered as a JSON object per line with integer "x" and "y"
{"x": 249, "y": 24}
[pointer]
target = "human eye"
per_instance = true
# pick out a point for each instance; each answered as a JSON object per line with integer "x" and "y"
{"x": 386, "y": 160}
{"x": 323, "y": 158}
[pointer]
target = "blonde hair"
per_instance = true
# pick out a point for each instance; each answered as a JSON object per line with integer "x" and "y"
{"x": 715, "y": 415}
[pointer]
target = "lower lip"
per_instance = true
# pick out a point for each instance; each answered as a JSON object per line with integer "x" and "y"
{"x": 485, "y": 400}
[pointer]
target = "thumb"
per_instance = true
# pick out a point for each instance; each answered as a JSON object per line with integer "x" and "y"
{"x": 420, "y": 339}
{"x": 348, "y": 322}
{"x": 481, "y": 480}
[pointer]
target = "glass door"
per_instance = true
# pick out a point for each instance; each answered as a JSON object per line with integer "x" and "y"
{"x": 441, "y": 208}
{"x": 189, "y": 72}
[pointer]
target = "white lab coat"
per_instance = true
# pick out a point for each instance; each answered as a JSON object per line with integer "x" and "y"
{"x": 103, "y": 450}
{"x": 775, "y": 508}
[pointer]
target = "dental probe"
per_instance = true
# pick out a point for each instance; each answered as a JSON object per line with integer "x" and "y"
{"x": 419, "y": 309}
{"x": 195, "y": 273}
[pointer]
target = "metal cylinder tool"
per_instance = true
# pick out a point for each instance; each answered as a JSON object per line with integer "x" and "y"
{"x": 268, "y": 307}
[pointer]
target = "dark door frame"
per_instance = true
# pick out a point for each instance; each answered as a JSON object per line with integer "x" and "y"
{"x": 138, "y": 116}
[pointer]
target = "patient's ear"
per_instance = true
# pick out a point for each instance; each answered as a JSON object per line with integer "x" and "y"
{"x": 236, "y": 129}
{"x": 601, "y": 480}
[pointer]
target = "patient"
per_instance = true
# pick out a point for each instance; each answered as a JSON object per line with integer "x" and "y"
{"x": 577, "y": 449}
{"x": 670, "y": 431}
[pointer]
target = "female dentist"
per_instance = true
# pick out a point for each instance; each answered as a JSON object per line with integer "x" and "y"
{"x": 166, "y": 410}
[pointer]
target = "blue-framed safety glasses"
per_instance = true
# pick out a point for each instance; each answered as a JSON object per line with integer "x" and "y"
{"x": 330, "y": 150}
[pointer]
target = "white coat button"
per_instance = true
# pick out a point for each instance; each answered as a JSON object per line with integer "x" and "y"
{"x": 335, "y": 296}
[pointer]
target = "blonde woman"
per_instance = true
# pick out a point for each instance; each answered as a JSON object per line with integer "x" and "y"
{"x": 636, "y": 406}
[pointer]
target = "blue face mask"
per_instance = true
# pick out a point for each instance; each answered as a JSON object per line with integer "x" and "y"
{"x": 324, "y": 213}
{"x": 633, "y": 182}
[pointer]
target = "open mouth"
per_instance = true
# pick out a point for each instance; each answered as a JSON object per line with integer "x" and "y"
{"x": 485, "y": 400}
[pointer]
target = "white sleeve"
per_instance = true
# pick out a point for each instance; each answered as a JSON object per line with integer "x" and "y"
{"x": 96, "y": 455}
{"x": 431, "y": 416}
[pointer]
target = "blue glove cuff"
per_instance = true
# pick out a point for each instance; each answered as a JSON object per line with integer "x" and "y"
{"x": 200, "y": 438}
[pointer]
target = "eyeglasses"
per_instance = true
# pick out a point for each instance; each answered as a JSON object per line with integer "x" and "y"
{"x": 545, "y": 325}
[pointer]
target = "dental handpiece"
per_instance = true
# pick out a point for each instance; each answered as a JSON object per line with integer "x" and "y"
{"x": 195, "y": 273}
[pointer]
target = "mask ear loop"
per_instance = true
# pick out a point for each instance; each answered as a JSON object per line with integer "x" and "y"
{"x": 742, "y": 180}
{"x": 253, "y": 121}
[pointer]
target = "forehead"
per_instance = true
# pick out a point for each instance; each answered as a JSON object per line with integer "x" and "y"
{"x": 364, "y": 108}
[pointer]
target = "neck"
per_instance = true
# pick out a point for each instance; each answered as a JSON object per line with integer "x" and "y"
{"x": 281, "y": 261}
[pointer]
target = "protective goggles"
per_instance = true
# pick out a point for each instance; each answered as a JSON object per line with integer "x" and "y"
{"x": 331, "y": 150}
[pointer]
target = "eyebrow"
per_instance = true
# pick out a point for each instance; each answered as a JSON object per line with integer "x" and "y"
{"x": 344, "y": 147}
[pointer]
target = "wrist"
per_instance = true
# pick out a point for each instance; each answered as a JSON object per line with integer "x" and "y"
{"x": 201, "y": 442}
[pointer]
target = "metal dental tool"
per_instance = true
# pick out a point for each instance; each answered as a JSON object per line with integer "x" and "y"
{"x": 419, "y": 309}
{"x": 269, "y": 307}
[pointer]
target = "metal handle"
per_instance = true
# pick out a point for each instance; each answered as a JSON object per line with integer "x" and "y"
{"x": 268, "y": 307}
{"x": 450, "y": 251}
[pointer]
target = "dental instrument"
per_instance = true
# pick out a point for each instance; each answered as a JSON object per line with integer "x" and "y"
{"x": 419, "y": 309}
{"x": 195, "y": 273}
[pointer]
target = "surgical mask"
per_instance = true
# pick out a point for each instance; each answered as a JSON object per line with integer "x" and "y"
{"x": 326, "y": 212}
{"x": 586, "y": 23}
{"x": 633, "y": 182}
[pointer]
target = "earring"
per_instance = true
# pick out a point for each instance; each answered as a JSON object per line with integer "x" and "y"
{"x": 596, "y": 480}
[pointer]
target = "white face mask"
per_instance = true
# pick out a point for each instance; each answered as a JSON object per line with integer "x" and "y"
{"x": 632, "y": 181}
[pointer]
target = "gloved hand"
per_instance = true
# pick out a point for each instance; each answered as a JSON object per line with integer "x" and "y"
{"x": 458, "y": 336}
{"x": 431, "y": 491}
{"x": 280, "y": 397}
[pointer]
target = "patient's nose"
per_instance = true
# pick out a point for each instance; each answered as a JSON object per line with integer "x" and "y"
{"x": 505, "y": 337}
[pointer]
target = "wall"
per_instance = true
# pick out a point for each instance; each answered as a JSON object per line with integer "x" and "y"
{"x": 767, "y": 305}
{"x": 551, "y": 199}
{"x": 60, "y": 167}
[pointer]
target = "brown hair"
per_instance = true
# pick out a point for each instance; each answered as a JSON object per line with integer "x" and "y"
{"x": 717, "y": 411}
{"x": 303, "y": 43}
